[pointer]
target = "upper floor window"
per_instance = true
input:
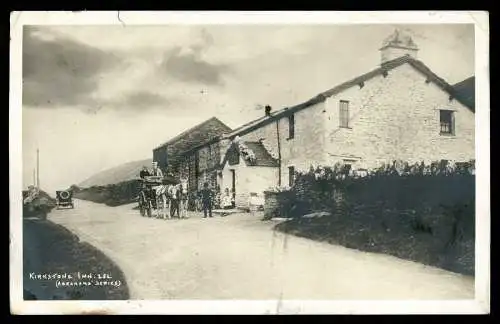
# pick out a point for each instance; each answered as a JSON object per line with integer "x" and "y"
{"x": 447, "y": 122}
{"x": 344, "y": 113}
{"x": 291, "y": 126}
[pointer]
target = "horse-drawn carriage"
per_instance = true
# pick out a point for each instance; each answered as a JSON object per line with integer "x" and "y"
{"x": 161, "y": 193}
{"x": 147, "y": 195}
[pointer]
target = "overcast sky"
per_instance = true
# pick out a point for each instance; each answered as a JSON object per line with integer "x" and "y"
{"x": 98, "y": 96}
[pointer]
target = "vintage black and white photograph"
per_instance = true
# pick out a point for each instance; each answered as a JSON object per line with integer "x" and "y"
{"x": 229, "y": 161}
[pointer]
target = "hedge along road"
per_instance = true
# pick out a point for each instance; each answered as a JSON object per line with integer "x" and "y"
{"x": 241, "y": 257}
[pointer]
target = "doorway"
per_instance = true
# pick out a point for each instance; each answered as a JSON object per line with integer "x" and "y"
{"x": 233, "y": 188}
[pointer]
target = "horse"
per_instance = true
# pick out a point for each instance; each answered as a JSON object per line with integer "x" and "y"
{"x": 161, "y": 197}
{"x": 178, "y": 198}
{"x": 183, "y": 198}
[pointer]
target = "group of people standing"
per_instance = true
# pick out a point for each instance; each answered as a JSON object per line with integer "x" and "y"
{"x": 209, "y": 199}
{"x": 206, "y": 195}
{"x": 155, "y": 171}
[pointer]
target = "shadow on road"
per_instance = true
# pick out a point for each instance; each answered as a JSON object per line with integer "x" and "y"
{"x": 51, "y": 249}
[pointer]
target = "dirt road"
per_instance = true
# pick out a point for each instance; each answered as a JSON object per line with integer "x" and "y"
{"x": 240, "y": 257}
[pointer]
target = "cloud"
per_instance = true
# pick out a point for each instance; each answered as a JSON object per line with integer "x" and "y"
{"x": 60, "y": 72}
{"x": 144, "y": 98}
{"x": 187, "y": 64}
{"x": 141, "y": 100}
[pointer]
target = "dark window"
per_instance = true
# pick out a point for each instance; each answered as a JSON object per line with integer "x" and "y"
{"x": 291, "y": 175}
{"x": 291, "y": 126}
{"x": 347, "y": 166}
{"x": 210, "y": 157}
{"x": 344, "y": 113}
{"x": 446, "y": 121}
{"x": 197, "y": 164}
{"x": 233, "y": 155}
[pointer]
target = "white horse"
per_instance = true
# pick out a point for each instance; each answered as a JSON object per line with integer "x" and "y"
{"x": 183, "y": 198}
{"x": 178, "y": 199}
{"x": 162, "y": 201}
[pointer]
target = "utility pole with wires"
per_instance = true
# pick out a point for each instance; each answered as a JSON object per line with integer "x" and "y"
{"x": 38, "y": 168}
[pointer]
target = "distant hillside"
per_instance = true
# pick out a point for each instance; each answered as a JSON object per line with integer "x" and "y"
{"x": 124, "y": 172}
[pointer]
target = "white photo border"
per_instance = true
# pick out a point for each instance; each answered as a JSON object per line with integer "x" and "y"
{"x": 481, "y": 303}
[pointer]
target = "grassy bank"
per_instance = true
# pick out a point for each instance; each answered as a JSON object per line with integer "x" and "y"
{"x": 404, "y": 242}
{"x": 111, "y": 195}
{"x": 424, "y": 213}
{"x": 50, "y": 248}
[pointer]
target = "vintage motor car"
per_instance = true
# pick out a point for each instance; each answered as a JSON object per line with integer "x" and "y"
{"x": 64, "y": 198}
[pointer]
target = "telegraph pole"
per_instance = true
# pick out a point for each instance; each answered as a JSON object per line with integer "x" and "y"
{"x": 37, "y": 168}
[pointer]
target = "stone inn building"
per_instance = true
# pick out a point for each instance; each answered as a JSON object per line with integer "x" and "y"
{"x": 193, "y": 154}
{"x": 400, "y": 110}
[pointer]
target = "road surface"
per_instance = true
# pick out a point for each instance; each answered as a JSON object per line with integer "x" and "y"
{"x": 241, "y": 257}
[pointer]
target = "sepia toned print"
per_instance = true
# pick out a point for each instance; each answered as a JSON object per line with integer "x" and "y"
{"x": 226, "y": 162}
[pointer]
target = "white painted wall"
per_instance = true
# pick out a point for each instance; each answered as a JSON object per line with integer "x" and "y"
{"x": 397, "y": 117}
{"x": 307, "y": 146}
{"x": 248, "y": 179}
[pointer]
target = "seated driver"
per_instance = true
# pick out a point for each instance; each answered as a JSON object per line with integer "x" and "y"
{"x": 156, "y": 172}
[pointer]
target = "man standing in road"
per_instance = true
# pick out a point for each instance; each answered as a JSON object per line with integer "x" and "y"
{"x": 174, "y": 200}
{"x": 206, "y": 198}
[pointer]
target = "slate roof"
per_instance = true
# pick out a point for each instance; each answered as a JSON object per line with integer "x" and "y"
{"x": 466, "y": 91}
{"x": 203, "y": 132}
{"x": 262, "y": 156}
{"x": 383, "y": 69}
{"x": 195, "y": 136}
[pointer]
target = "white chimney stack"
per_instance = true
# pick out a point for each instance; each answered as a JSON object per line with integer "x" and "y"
{"x": 397, "y": 45}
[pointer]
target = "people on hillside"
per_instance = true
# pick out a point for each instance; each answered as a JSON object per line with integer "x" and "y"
{"x": 206, "y": 198}
{"x": 31, "y": 195}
